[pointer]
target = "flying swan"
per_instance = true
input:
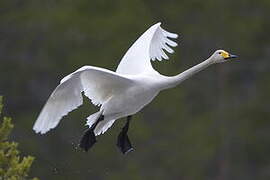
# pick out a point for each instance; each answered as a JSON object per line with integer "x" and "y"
{"x": 122, "y": 93}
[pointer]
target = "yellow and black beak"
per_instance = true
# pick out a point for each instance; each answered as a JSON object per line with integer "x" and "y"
{"x": 226, "y": 55}
{"x": 230, "y": 56}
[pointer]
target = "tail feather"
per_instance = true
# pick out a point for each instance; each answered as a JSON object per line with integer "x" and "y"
{"x": 93, "y": 118}
{"x": 103, "y": 126}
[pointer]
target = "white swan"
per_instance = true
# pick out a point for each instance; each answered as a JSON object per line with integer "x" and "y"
{"x": 119, "y": 94}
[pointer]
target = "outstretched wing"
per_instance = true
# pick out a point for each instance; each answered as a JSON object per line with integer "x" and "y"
{"x": 97, "y": 83}
{"x": 150, "y": 46}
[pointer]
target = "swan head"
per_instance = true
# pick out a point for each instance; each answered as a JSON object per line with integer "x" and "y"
{"x": 222, "y": 56}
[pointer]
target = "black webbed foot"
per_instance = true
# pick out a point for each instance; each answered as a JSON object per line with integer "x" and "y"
{"x": 123, "y": 141}
{"x": 88, "y": 140}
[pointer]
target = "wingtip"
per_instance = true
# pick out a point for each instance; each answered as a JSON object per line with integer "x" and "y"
{"x": 158, "y": 24}
{"x": 40, "y": 131}
{"x": 37, "y": 131}
{"x": 175, "y": 35}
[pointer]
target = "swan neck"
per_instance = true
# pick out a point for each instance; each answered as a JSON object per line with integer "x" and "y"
{"x": 176, "y": 80}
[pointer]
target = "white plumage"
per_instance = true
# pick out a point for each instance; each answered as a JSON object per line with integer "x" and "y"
{"x": 150, "y": 45}
{"x": 122, "y": 93}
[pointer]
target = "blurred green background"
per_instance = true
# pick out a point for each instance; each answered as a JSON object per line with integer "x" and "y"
{"x": 214, "y": 126}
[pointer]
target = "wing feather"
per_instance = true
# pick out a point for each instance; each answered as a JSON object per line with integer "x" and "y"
{"x": 65, "y": 98}
{"x": 151, "y": 45}
{"x": 98, "y": 84}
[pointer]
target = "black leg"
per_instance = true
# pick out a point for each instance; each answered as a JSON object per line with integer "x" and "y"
{"x": 123, "y": 141}
{"x": 89, "y": 139}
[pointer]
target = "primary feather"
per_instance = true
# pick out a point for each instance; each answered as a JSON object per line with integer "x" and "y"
{"x": 149, "y": 46}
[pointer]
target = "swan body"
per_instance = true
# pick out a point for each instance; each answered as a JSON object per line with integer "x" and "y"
{"x": 124, "y": 92}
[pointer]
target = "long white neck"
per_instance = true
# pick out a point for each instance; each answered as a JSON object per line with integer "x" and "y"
{"x": 173, "y": 81}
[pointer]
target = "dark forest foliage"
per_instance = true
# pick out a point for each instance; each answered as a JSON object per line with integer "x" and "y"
{"x": 12, "y": 165}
